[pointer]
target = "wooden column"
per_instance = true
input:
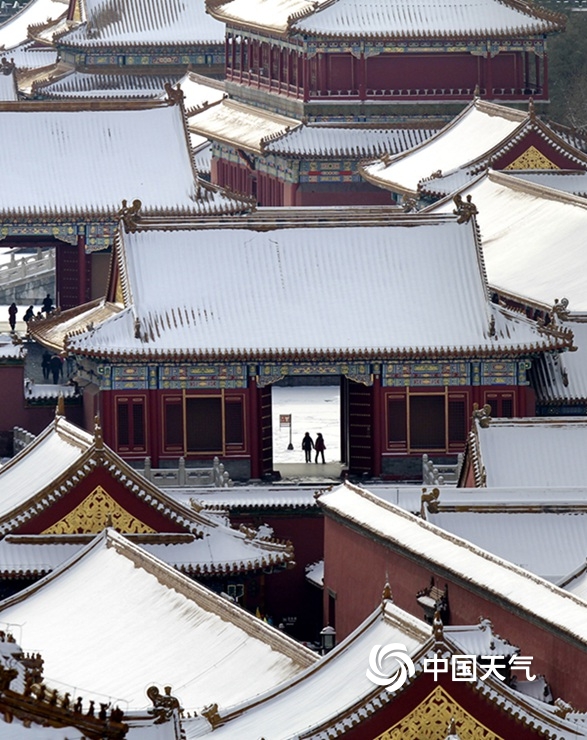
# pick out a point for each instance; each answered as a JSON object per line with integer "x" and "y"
{"x": 489, "y": 76}
{"x": 378, "y": 416}
{"x": 545, "y": 76}
{"x": 361, "y": 76}
{"x": 83, "y": 265}
{"x": 254, "y": 428}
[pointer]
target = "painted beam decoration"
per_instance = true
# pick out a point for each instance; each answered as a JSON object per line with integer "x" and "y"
{"x": 482, "y": 372}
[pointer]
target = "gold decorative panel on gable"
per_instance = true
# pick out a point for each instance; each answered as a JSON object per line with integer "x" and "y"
{"x": 532, "y": 159}
{"x": 431, "y": 719}
{"x": 97, "y": 511}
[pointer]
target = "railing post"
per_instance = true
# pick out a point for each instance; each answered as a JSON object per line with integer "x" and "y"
{"x": 181, "y": 472}
{"x": 147, "y": 471}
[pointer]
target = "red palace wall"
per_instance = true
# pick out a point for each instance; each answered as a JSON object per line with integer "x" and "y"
{"x": 357, "y": 566}
{"x": 287, "y": 594}
{"x": 16, "y": 413}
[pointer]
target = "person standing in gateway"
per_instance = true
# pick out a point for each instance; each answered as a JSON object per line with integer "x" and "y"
{"x": 308, "y": 446}
{"x": 319, "y": 446}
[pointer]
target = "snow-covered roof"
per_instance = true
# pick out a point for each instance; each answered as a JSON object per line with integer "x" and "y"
{"x": 29, "y": 55}
{"x": 144, "y": 23}
{"x": 62, "y": 455}
{"x": 480, "y": 127}
{"x": 122, "y": 154}
{"x": 568, "y": 181}
{"x": 352, "y": 141}
{"x": 37, "y": 12}
{"x": 331, "y": 687}
{"x": 379, "y": 18}
{"x": 532, "y": 452}
{"x": 192, "y": 306}
{"x": 240, "y": 125}
{"x": 563, "y": 378}
{"x": 533, "y": 238}
{"x": 57, "y": 449}
{"x": 531, "y": 540}
{"x": 83, "y": 620}
{"x": 7, "y": 86}
{"x": 11, "y": 351}
{"x": 200, "y": 91}
{"x": 84, "y": 85}
{"x": 482, "y": 570}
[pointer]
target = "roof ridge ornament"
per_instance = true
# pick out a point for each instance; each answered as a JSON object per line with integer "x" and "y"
{"x": 464, "y": 209}
{"x": 431, "y": 500}
{"x": 531, "y": 109}
{"x": 129, "y": 215}
{"x": 98, "y": 435}
{"x": 482, "y": 415}
{"x": 175, "y": 95}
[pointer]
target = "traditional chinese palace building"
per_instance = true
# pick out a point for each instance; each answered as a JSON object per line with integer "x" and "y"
{"x": 66, "y": 486}
{"x": 180, "y": 358}
{"x": 74, "y": 164}
{"x": 315, "y": 79}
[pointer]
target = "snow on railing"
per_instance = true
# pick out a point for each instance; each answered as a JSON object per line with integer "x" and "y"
{"x": 434, "y": 474}
{"x": 21, "y": 439}
{"x": 180, "y": 477}
{"x": 26, "y": 267}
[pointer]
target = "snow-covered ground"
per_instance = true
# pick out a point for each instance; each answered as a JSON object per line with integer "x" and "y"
{"x": 313, "y": 409}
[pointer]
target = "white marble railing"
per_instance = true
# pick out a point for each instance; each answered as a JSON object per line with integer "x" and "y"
{"x": 31, "y": 265}
{"x": 434, "y": 474}
{"x": 180, "y": 477}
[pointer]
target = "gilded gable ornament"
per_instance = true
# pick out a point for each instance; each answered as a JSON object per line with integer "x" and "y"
{"x": 532, "y": 159}
{"x": 96, "y": 512}
{"x": 431, "y": 718}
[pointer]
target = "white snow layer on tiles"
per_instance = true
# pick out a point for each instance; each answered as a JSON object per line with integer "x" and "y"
{"x": 111, "y": 624}
{"x": 569, "y": 182}
{"x": 355, "y": 141}
{"x": 530, "y": 540}
{"x": 84, "y": 85}
{"x": 241, "y": 124}
{"x": 198, "y": 92}
{"x": 115, "y": 22}
{"x": 564, "y": 377}
{"x": 330, "y": 687}
{"x": 533, "y": 239}
{"x": 91, "y": 160}
{"x": 37, "y": 12}
{"x": 509, "y": 582}
{"x": 269, "y": 14}
{"x": 535, "y": 453}
{"x": 16, "y": 730}
{"x": 7, "y": 87}
{"x": 421, "y": 17}
{"x": 185, "y": 298}
{"x": 479, "y": 128}
{"x": 37, "y": 466}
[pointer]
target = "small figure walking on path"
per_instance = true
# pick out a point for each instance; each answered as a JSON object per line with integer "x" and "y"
{"x": 46, "y": 364}
{"x": 56, "y": 368}
{"x": 308, "y": 446}
{"x": 319, "y": 446}
{"x": 12, "y": 311}
{"x": 47, "y": 304}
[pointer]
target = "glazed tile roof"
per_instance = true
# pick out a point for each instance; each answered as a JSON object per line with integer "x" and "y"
{"x": 480, "y": 127}
{"x": 511, "y": 584}
{"x": 8, "y": 87}
{"x": 568, "y": 181}
{"x": 28, "y": 56}
{"x": 562, "y": 378}
{"x": 83, "y": 85}
{"x": 337, "y": 141}
{"x": 122, "y": 153}
{"x": 144, "y": 22}
{"x": 533, "y": 452}
{"x": 37, "y": 12}
{"x": 533, "y": 238}
{"x": 379, "y": 18}
{"x": 531, "y": 540}
{"x": 195, "y": 307}
{"x": 334, "y": 685}
{"x": 83, "y": 619}
{"x": 240, "y": 125}
{"x": 200, "y": 91}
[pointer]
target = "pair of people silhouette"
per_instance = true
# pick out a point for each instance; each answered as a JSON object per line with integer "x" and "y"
{"x": 318, "y": 446}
